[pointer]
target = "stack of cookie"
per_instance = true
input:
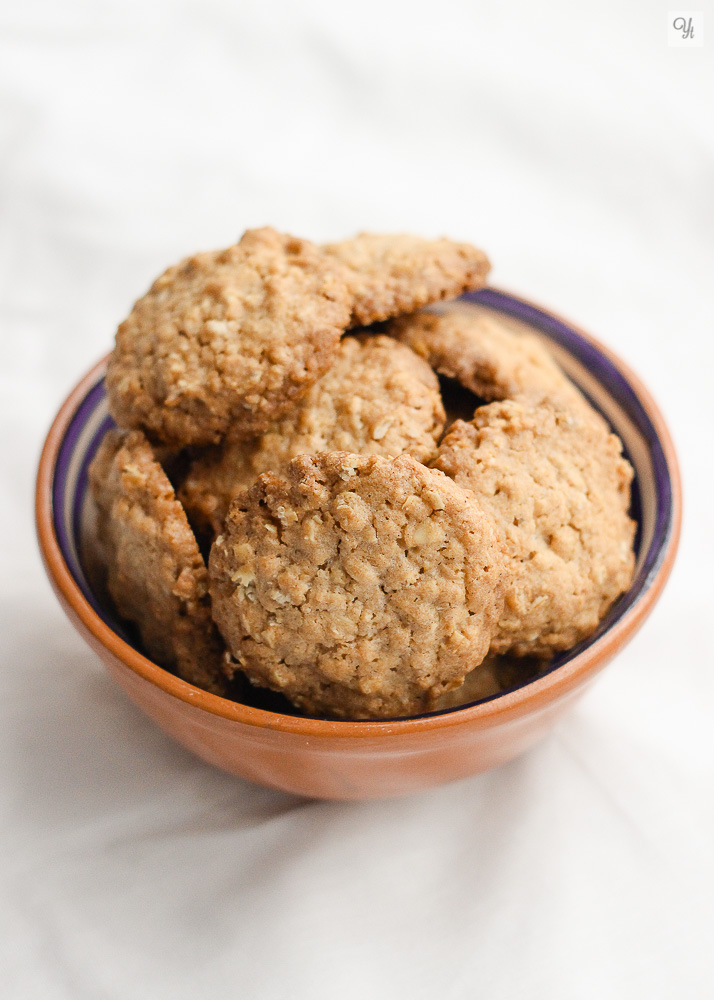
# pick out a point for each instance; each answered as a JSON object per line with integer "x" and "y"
{"x": 280, "y": 406}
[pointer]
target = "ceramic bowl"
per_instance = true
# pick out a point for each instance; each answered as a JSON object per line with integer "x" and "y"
{"x": 366, "y": 759}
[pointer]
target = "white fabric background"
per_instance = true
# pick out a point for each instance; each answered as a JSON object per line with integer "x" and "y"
{"x": 578, "y": 149}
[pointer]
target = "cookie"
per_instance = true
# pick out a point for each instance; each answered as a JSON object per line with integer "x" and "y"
{"x": 379, "y": 398}
{"x": 359, "y": 586}
{"x": 155, "y": 572}
{"x": 556, "y": 483}
{"x": 389, "y": 275}
{"x": 482, "y": 682}
{"x": 227, "y": 339}
{"x": 493, "y": 676}
{"x": 487, "y": 357}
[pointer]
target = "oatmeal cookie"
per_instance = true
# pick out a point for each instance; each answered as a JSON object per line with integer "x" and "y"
{"x": 481, "y": 682}
{"x": 497, "y": 673}
{"x": 558, "y": 486}
{"x": 227, "y": 338}
{"x": 359, "y": 586}
{"x": 379, "y": 398}
{"x": 487, "y": 357}
{"x": 155, "y": 573}
{"x": 389, "y": 275}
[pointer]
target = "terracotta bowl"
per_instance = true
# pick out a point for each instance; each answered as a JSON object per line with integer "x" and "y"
{"x": 363, "y": 759}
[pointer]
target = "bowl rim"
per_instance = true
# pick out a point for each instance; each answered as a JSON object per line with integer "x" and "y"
{"x": 513, "y": 704}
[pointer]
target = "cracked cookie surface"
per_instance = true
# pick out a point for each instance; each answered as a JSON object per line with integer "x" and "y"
{"x": 392, "y": 274}
{"x": 155, "y": 572}
{"x": 379, "y": 398}
{"x": 559, "y": 488}
{"x": 360, "y": 587}
{"x": 227, "y": 339}
{"x": 487, "y": 357}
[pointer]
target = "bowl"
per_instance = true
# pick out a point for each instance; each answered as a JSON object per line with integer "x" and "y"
{"x": 369, "y": 759}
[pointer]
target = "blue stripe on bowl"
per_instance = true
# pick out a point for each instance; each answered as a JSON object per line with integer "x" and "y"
{"x": 70, "y": 458}
{"x": 599, "y": 378}
{"x": 70, "y": 491}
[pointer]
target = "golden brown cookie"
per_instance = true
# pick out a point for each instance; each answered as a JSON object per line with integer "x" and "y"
{"x": 392, "y": 274}
{"x": 486, "y": 356}
{"x": 155, "y": 573}
{"x": 227, "y": 339}
{"x": 359, "y": 586}
{"x": 379, "y": 398}
{"x": 558, "y": 486}
{"x": 493, "y": 676}
{"x": 482, "y": 682}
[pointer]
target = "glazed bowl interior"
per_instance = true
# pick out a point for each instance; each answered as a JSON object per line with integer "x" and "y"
{"x": 602, "y": 378}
